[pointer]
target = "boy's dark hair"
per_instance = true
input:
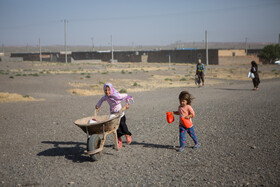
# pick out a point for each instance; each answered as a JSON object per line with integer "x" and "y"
{"x": 184, "y": 95}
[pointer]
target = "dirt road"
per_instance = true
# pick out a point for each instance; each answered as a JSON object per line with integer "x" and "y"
{"x": 238, "y": 130}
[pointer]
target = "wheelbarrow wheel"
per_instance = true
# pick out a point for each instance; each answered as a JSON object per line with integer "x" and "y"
{"x": 93, "y": 143}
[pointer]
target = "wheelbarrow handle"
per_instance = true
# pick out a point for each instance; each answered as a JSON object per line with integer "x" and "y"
{"x": 95, "y": 112}
{"x": 123, "y": 109}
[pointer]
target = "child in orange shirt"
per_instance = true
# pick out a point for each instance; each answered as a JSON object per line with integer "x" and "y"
{"x": 186, "y": 112}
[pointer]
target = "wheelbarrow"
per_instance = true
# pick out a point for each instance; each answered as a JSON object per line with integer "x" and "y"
{"x": 104, "y": 125}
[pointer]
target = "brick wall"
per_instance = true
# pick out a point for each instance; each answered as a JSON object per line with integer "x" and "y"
{"x": 183, "y": 56}
{"x": 231, "y": 52}
{"x": 235, "y": 60}
{"x": 177, "y": 56}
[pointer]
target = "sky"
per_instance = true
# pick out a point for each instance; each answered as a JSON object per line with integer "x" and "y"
{"x": 142, "y": 22}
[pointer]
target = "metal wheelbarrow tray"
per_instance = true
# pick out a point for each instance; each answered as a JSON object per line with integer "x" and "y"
{"x": 105, "y": 126}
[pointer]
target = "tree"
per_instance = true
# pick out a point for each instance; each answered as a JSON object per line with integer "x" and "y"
{"x": 270, "y": 53}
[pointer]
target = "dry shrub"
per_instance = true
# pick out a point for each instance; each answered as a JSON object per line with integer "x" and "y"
{"x": 86, "y": 92}
{"x": 6, "y": 97}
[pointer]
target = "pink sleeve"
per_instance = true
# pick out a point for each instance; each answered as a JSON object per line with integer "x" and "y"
{"x": 190, "y": 110}
{"x": 100, "y": 102}
{"x": 123, "y": 96}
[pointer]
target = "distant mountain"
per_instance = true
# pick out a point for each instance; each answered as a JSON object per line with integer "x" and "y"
{"x": 198, "y": 45}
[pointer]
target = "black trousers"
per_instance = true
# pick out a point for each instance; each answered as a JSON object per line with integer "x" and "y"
{"x": 123, "y": 130}
{"x": 256, "y": 82}
{"x": 200, "y": 77}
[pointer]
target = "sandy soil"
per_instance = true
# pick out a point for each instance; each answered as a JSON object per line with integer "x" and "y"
{"x": 238, "y": 128}
{"x": 87, "y": 78}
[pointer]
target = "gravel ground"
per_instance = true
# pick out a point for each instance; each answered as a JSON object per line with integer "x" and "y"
{"x": 238, "y": 130}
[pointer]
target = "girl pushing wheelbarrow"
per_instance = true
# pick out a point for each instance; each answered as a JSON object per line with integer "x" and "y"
{"x": 114, "y": 99}
{"x": 114, "y": 123}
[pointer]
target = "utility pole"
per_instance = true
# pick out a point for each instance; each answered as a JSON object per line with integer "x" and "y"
{"x": 206, "y": 46}
{"x": 92, "y": 44}
{"x": 279, "y": 39}
{"x": 65, "y": 38}
{"x": 40, "y": 51}
{"x": 132, "y": 46}
{"x": 112, "y": 49}
{"x": 169, "y": 60}
{"x": 246, "y": 46}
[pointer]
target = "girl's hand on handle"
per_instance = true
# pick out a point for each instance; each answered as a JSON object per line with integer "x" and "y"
{"x": 96, "y": 110}
{"x": 123, "y": 108}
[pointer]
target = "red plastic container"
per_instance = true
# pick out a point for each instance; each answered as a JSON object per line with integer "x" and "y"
{"x": 187, "y": 122}
{"x": 169, "y": 117}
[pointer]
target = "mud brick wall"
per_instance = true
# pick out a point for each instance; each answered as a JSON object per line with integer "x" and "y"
{"x": 232, "y": 52}
{"x": 128, "y": 56}
{"x": 183, "y": 56}
{"x": 49, "y": 57}
{"x": 27, "y": 56}
{"x": 213, "y": 58}
{"x": 86, "y": 55}
{"x": 254, "y": 51}
{"x": 62, "y": 59}
{"x": 238, "y": 60}
{"x": 120, "y": 56}
{"x": 177, "y": 56}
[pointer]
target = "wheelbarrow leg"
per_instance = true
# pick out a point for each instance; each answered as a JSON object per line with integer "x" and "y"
{"x": 116, "y": 140}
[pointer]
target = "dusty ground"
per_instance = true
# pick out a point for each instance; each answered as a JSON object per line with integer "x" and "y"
{"x": 237, "y": 127}
{"x": 88, "y": 78}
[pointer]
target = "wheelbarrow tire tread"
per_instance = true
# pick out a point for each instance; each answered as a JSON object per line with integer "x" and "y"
{"x": 93, "y": 143}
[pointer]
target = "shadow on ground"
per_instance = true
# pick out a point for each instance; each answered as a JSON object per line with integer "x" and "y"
{"x": 151, "y": 145}
{"x": 74, "y": 150}
{"x": 70, "y": 150}
{"x": 233, "y": 89}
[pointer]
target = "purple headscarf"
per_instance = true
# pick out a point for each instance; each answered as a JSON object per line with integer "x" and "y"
{"x": 115, "y": 95}
{"x": 114, "y": 100}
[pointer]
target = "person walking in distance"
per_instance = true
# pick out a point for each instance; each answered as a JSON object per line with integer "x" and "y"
{"x": 254, "y": 71}
{"x": 200, "y": 72}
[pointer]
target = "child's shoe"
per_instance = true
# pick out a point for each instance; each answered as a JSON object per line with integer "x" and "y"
{"x": 196, "y": 146}
{"x": 120, "y": 142}
{"x": 181, "y": 149}
{"x": 128, "y": 139}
